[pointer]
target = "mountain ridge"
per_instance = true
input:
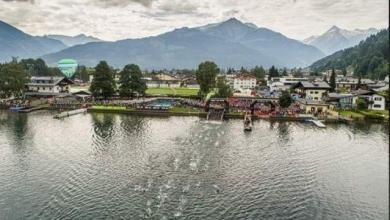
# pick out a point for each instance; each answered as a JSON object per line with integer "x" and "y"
{"x": 73, "y": 40}
{"x": 16, "y": 43}
{"x": 370, "y": 58}
{"x": 244, "y": 45}
{"x": 335, "y": 38}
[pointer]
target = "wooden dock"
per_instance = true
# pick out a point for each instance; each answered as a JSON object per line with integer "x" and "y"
{"x": 70, "y": 113}
{"x": 317, "y": 123}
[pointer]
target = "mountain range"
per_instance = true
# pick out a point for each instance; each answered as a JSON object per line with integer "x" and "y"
{"x": 370, "y": 58}
{"x": 336, "y": 39}
{"x": 71, "y": 41}
{"x": 230, "y": 43}
{"x": 15, "y": 43}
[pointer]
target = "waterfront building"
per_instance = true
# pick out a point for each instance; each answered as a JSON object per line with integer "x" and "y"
{"x": 348, "y": 100}
{"x": 342, "y": 100}
{"x": 312, "y": 106}
{"x": 374, "y": 100}
{"x": 312, "y": 90}
{"x": 48, "y": 86}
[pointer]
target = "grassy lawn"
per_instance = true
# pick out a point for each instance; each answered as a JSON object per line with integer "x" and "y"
{"x": 371, "y": 114}
{"x": 186, "y": 91}
{"x": 108, "y": 107}
{"x": 375, "y": 114}
{"x": 347, "y": 113}
{"x": 181, "y": 109}
{"x": 172, "y": 91}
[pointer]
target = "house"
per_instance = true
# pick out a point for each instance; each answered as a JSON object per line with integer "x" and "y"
{"x": 162, "y": 81}
{"x": 374, "y": 100}
{"x": 312, "y": 106}
{"x": 352, "y": 83}
{"x": 284, "y": 83}
{"x": 244, "y": 81}
{"x": 342, "y": 100}
{"x": 312, "y": 90}
{"x": 191, "y": 83}
{"x": 48, "y": 86}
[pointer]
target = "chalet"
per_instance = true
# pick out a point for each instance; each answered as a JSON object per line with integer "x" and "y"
{"x": 374, "y": 100}
{"x": 348, "y": 100}
{"x": 48, "y": 86}
{"x": 312, "y": 90}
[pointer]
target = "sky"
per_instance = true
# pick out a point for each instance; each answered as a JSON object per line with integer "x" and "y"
{"x": 121, "y": 19}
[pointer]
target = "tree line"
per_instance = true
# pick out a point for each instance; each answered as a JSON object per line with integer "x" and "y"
{"x": 14, "y": 76}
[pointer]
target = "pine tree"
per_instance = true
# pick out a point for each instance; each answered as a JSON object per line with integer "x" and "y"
{"x": 273, "y": 72}
{"x": 103, "y": 84}
{"x": 359, "y": 84}
{"x": 332, "y": 81}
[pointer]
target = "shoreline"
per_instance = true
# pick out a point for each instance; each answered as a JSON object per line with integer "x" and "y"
{"x": 204, "y": 115}
{"x": 154, "y": 113}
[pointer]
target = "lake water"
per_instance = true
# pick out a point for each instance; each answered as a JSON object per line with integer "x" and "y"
{"x": 104, "y": 166}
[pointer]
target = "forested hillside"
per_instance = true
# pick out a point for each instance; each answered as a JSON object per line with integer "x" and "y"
{"x": 368, "y": 59}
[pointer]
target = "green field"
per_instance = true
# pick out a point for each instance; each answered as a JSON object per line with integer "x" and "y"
{"x": 172, "y": 91}
{"x": 352, "y": 114}
{"x": 185, "y": 109}
{"x": 108, "y": 107}
{"x": 365, "y": 114}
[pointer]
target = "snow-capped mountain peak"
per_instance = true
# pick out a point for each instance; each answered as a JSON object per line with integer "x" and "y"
{"x": 337, "y": 38}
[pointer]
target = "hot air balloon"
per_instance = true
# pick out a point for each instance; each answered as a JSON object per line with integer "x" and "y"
{"x": 68, "y": 67}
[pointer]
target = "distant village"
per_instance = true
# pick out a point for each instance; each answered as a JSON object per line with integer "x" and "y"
{"x": 310, "y": 94}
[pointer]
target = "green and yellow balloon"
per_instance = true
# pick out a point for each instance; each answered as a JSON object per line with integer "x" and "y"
{"x": 68, "y": 67}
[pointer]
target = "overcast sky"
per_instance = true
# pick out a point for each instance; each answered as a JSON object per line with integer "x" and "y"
{"x": 120, "y": 19}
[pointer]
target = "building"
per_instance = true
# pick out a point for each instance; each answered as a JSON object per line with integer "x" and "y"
{"x": 312, "y": 106}
{"x": 342, "y": 100}
{"x": 191, "y": 83}
{"x": 352, "y": 84}
{"x": 284, "y": 83}
{"x": 48, "y": 86}
{"x": 348, "y": 100}
{"x": 374, "y": 100}
{"x": 162, "y": 81}
{"x": 244, "y": 81}
{"x": 312, "y": 90}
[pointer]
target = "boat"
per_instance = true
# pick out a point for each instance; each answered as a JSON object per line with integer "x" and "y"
{"x": 247, "y": 123}
{"x": 16, "y": 108}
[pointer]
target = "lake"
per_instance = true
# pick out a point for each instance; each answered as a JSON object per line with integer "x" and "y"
{"x": 106, "y": 166}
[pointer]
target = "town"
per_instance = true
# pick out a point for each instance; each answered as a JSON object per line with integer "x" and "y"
{"x": 295, "y": 94}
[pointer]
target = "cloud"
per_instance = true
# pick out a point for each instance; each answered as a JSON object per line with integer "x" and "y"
{"x": 121, "y": 19}
{"x": 231, "y": 13}
{"x": 121, "y": 3}
{"x": 30, "y": 1}
{"x": 178, "y": 7}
